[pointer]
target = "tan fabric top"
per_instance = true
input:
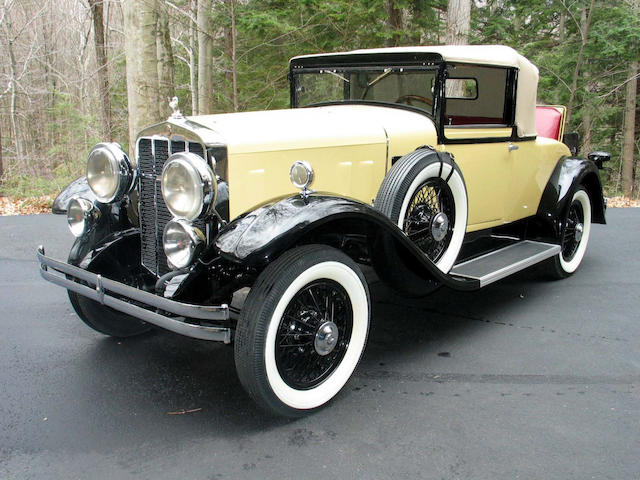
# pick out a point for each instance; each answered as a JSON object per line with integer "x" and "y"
{"x": 498, "y": 55}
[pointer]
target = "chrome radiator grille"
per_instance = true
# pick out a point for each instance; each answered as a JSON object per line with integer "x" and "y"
{"x": 154, "y": 215}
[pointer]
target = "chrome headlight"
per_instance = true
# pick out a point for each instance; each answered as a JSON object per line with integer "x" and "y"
{"x": 189, "y": 186}
{"x": 82, "y": 215}
{"x": 182, "y": 243}
{"x": 109, "y": 172}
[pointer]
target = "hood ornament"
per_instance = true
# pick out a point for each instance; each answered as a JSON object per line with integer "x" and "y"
{"x": 173, "y": 104}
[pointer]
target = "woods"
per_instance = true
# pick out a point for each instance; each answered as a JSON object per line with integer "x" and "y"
{"x": 73, "y": 70}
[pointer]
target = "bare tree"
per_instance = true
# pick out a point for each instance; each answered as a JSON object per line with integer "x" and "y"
{"x": 205, "y": 57}
{"x": 193, "y": 70}
{"x": 458, "y": 22}
{"x": 97, "y": 15}
{"x": 145, "y": 103}
{"x": 583, "y": 27}
{"x": 628, "y": 141}
{"x": 231, "y": 53}
{"x": 165, "y": 55}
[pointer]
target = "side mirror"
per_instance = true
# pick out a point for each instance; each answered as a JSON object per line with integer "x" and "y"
{"x": 599, "y": 158}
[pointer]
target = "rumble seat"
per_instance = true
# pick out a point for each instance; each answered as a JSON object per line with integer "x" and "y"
{"x": 549, "y": 122}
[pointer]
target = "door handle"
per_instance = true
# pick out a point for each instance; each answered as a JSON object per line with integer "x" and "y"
{"x": 513, "y": 147}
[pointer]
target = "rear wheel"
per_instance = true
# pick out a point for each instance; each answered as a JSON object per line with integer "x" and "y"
{"x": 575, "y": 237}
{"x": 302, "y": 330}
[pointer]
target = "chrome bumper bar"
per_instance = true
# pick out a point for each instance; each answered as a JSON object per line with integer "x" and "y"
{"x": 102, "y": 289}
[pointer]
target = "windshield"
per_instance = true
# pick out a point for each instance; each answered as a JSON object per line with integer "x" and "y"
{"x": 397, "y": 85}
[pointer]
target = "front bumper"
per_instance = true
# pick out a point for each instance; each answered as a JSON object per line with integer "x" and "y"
{"x": 147, "y": 307}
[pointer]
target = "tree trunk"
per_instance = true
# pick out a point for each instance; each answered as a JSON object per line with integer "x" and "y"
{"x": 205, "y": 57}
{"x": 395, "y": 23}
{"x": 97, "y": 15}
{"x": 193, "y": 78}
{"x": 628, "y": 142}
{"x": 15, "y": 124}
{"x": 1, "y": 164}
{"x": 141, "y": 19}
{"x": 585, "y": 24}
{"x": 458, "y": 22}
{"x": 231, "y": 53}
{"x": 165, "y": 56}
{"x": 562, "y": 28}
{"x": 586, "y": 112}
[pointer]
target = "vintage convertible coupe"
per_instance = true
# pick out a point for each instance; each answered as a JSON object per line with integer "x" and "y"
{"x": 433, "y": 165}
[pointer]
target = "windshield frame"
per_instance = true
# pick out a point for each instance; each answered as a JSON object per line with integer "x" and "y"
{"x": 396, "y": 61}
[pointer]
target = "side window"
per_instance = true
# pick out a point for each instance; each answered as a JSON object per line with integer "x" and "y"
{"x": 477, "y": 96}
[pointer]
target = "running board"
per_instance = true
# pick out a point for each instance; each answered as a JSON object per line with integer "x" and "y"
{"x": 499, "y": 264}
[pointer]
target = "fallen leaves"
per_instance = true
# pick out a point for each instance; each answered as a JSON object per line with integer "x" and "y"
{"x": 622, "y": 202}
{"x": 26, "y": 206}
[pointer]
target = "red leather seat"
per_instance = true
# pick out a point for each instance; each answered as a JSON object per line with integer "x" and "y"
{"x": 548, "y": 122}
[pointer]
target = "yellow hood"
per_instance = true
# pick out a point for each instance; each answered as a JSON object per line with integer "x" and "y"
{"x": 350, "y": 148}
{"x": 316, "y": 127}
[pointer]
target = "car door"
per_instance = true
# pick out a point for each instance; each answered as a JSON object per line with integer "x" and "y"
{"x": 486, "y": 171}
{"x": 478, "y": 127}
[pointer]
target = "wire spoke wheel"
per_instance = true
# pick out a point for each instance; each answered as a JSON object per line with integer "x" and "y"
{"x": 430, "y": 217}
{"x": 574, "y": 237}
{"x": 573, "y": 231}
{"x": 302, "y": 330}
{"x": 313, "y": 334}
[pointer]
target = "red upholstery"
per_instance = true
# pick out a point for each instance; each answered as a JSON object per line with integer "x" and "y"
{"x": 548, "y": 122}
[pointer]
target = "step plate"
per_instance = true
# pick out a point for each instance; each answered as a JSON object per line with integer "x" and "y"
{"x": 494, "y": 266}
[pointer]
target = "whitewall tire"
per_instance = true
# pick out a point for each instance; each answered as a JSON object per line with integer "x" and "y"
{"x": 425, "y": 195}
{"x": 575, "y": 236}
{"x": 302, "y": 330}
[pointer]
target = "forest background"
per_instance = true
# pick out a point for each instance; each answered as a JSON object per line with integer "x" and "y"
{"x": 77, "y": 72}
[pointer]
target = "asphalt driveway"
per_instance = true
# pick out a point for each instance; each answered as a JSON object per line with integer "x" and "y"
{"x": 524, "y": 379}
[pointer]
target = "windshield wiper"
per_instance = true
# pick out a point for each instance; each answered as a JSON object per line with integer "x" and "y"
{"x": 336, "y": 75}
{"x": 384, "y": 73}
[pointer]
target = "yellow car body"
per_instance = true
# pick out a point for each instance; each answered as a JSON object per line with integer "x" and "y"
{"x": 352, "y": 147}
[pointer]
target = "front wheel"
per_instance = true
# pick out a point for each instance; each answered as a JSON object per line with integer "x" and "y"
{"x": 575, "y": 237}
{"x": 106, "y": 320}
{"x": 302, "y": 330}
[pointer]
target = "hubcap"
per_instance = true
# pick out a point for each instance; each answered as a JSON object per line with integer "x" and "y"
{"x": 314, "y": 334}
{"x": 326, "y": 338}
{"x": 578, "y": 232}
{"x": 439, "y": 226}
{"x": 429, "y": 217}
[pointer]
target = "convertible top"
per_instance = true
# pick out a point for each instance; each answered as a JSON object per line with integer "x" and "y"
{"x": 497, "y": 55}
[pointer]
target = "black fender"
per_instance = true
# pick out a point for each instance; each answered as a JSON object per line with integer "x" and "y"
{"x": 112, "y": 223}
{"x": 569, "y": 174}
{"x": 78, "y": 188}
{"x": 262, "y": 235}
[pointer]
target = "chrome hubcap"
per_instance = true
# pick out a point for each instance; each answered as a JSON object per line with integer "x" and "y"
{"x": 326, "y": 338}
{"x": 579, "y": 231}
{"x": 439, "y": 226}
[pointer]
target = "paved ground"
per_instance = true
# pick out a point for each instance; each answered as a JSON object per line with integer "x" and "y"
{"x": 525, "y": 379}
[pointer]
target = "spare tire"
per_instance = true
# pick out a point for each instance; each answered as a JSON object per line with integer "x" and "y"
{"x": 424, "y": 194}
